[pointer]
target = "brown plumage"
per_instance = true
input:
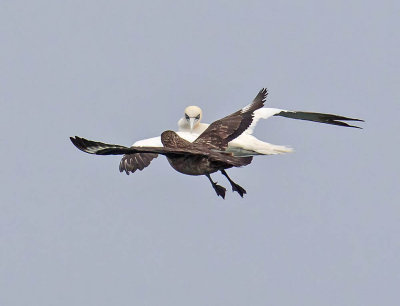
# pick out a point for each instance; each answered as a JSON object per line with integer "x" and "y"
{"x": 137, "y": 161}
{"x": 204, "y": 156}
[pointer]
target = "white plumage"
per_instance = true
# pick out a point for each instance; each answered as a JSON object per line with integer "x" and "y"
{"x": 190, "y": 127}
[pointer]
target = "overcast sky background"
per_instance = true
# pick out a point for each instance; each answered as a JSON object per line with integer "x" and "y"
{"x": 318, "y": 227}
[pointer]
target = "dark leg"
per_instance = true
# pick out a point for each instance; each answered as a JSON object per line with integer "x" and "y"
{"x": 218, "y": 189}
{"x": 235, "y": 187}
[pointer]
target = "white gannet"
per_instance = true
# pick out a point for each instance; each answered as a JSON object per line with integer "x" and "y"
{"x": 190, "y": 127}
{"x": 209, "y": 152}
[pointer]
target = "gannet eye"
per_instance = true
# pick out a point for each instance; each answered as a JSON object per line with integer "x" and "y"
{"x": 187, "y": 117}
{"x": 198, "y": 117}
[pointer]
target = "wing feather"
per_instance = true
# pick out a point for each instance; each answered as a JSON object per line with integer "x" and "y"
{"x": 319, "y": 117}
{"x": 132, "y": 162}
{"x": 220, "y": 132}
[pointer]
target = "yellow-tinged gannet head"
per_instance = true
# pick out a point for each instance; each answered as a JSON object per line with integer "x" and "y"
{"x": 193, "y": 116}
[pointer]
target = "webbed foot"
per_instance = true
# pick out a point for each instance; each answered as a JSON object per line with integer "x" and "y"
{"x": 239, "y": 189}
{"x": 219, "y": 190}
{"x": 235, "y": 187}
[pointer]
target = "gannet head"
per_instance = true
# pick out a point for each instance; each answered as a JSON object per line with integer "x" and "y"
{"x": 193, "y": 116}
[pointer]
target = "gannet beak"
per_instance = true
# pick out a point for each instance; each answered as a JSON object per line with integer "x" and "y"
{"x": 191, "y": 123}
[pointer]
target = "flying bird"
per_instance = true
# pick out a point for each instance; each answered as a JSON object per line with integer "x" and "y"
{"x": 202, "y": 149}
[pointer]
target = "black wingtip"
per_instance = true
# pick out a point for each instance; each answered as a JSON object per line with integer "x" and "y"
{"x": 320, "y": 117}
{"x": 78, "y": 142}
{"x": 74, "y": 140}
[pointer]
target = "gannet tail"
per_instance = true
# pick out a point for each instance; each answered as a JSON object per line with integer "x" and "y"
{"x": 271, "y": 149}
{"x": 265, "y": 149}
{"x": 247, "y": 144}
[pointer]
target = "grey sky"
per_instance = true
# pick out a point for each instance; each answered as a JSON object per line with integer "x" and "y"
{"x": 317, "y": 227}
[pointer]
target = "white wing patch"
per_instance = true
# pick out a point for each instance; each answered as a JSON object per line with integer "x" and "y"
{"x": 262, "y": 113}
{"x": 156, "y": 141}
{"x": 150, "y": 142}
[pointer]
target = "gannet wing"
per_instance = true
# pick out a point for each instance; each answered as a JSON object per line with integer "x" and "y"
{"x": 265, "y": 113}
{"x": 220, "y": 132}
{"x": 262, "y": 113}
{"x": 188, "y": 135}
{"x": 149, "y": 142}
{"x": 156, "y": 141}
